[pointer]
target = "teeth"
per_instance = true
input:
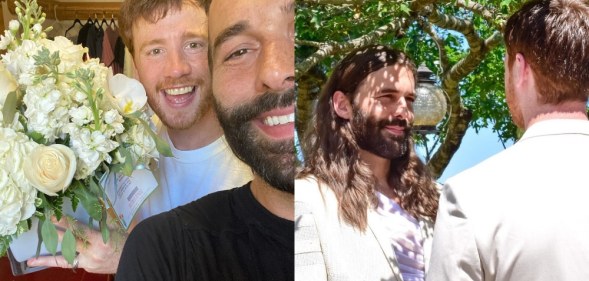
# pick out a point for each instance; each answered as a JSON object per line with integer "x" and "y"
{"x": 179, "y": 91}
{"x": 279, "y": 120}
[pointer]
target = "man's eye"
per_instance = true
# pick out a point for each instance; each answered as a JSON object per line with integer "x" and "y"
{"x": 237, "y": 54}
{"x": 194, "y": 45}
{"x": 155, "y": 52}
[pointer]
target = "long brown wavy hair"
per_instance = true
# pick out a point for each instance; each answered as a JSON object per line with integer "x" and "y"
{"x": 331, "y": 152}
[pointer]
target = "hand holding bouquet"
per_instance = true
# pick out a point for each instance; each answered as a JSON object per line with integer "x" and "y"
{"x": 64, "y": 123}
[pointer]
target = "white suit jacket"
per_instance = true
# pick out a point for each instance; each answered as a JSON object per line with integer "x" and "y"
{"x": 522, "y": 214}
{"x": 326, "y": 248}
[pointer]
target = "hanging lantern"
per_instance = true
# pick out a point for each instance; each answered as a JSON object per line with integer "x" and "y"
{"x": 430, "y": 102}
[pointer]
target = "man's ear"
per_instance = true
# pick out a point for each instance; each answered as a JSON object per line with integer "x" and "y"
{"x": 520, "y": 69}
{"x": 342, "y": 105}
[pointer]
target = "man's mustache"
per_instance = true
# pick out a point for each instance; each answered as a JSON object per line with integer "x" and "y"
{"x": 263, "y": 103}
{"x": 395, "y": 122}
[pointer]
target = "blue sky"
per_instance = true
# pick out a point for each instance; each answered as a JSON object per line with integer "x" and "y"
{"x": 475, "y": 148}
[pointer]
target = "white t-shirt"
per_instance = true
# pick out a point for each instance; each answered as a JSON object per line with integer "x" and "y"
{"x": 406, "y": 239}
{"x": 192, "y": 174}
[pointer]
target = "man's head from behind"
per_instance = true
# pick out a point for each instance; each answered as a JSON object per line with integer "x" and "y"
{"x": 252, "y": 64}
{"x": 168, "y": 41}
{"x": 552, "y": 36}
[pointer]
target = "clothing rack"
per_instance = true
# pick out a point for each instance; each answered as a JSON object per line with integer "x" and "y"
{"x": 75, "y": 10}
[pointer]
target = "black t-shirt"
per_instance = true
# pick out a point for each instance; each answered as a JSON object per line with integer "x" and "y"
{"x": 225, "y": 235}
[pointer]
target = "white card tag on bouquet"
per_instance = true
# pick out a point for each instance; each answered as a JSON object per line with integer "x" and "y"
{"x": 126, "y": 194}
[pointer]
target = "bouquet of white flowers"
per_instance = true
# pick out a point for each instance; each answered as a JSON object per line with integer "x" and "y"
{"x": 64, "y": 122}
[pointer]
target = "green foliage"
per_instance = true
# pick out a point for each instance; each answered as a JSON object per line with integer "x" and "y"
{"x": 83, "y": 82}
{"x": 126, "y": 167}
{"x": 47, "y": 65}
{"x": 9, "y": 109}
{"x": 4, "y": 244}
{"x": 88, "y": 200}
{"x": 49, "y": 235}
{"x": 484, "y": 95}
{"x": 162, "y": 146}
{"x": 459, "y": 29}
{"x": 68, "y": 246}
{"x": 104, "y": 231}
{"x": 37, "y": 137}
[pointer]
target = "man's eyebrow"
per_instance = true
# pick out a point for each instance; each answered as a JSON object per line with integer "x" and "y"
{"x": 386, "y": 91}
{"x": 229, "y": 32}
{"x": 158, "y": 41}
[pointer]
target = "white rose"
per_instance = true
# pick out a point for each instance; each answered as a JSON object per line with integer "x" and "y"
{"x": 50, "y": 168}
{"x": 129, "y": 94}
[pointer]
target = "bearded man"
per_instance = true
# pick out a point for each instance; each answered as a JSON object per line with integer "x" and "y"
{"x": 364, "y": 203}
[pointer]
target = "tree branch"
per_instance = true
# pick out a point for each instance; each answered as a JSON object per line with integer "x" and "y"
{"x": 327, "y": 50}
{"x": 479, "y": 9}
{"x": 460, "y": 117}
{"x": 334, "y": 2}
{"x": 428, "y": 28}
{"x": 450, "y": 22}
{"x": 309, "y": 43}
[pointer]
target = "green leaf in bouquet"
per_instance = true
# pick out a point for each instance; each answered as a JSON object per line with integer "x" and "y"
{"x": 125, "y": 168}
{"x": 38, "y": 202}
{"x": 94, "y": 187}
{"x": 4, "y": 244}
{"x": 162, "y": 146}
{"x": 55, "y": 203}
{"x": 39, "y": 235}
{"x": 72, "y": 196}
{"x": 89, "y": 201}
{"x": 75, "y": 201}
{"x": 55, "y": 59}
{"x": 23, "y": 226}
{"x": 47, "y": 64}
{"x": 9, "y": 109}
{"x": 104, "y": 228}
{"x": 49, "y": 235}
{"x": 68, "y": 246}
{"x": 37, "y": 137}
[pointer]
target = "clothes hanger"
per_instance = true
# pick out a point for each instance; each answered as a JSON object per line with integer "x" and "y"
{"x": 96, "y": 22}
{"x": 104, "y": 23}
{"x": 89, "y": 20}
{"x": 112, "y": 23}
{"x": 77, "y": 20}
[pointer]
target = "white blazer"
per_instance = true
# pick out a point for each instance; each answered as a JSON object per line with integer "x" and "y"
{"x": 326, "y": 248}
{"x": 522, "y": 214}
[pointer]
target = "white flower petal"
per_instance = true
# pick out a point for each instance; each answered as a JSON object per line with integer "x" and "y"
{"x": 129, "y": 93}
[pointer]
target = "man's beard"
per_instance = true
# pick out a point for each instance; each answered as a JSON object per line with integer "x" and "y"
{"x": 371, "y": 136}
{"x": 273, "y": 160}
{"x": 512, "y": 103}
